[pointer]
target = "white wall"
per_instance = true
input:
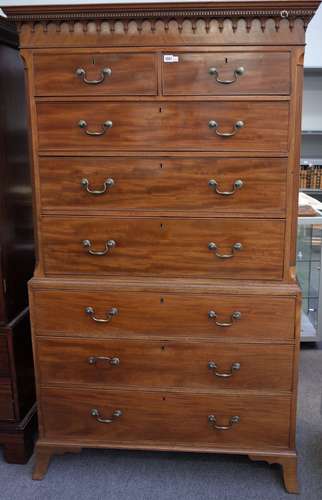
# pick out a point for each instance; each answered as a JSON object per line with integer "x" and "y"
{"x": 313, "y": 54}
{"x": 312, "y": 103}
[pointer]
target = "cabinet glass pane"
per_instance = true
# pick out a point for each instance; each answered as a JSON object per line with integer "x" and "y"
{"x": 308, "y": 273}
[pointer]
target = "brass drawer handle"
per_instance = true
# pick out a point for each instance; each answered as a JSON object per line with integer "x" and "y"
{"x": 81, "y": 72}
{"x": 237, "y": 126}
{"x": 236, "y": 315}
{"x": 109, "y": 314}
{"x": 234, "y": 368}
{"x": 233, "y": 420}
{"x": 108, "y": 247}
{"x": 213, "y": 247}
{"x": 237, "y": 72}
{"x": 108, "y": 183}
{"x": 106, "y": 125}
{"x": 92, "y": 360}
{"x": 213, "y": 184}
{"x": 116, "y": 414}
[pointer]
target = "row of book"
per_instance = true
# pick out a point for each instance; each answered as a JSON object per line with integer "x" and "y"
{"x": 311, "y": 177}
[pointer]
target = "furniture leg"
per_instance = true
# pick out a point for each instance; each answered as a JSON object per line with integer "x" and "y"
{"x": 289, "y": 467}
{"x": 43, "y": 456}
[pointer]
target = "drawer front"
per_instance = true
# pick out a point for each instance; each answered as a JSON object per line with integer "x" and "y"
{"x": 148, "y": 126}
{"x": 162, "y": 247}
{"x": 6, "y": 400}
{"x": 161, "y": 417}
{"x": 63, "y": 312}
{"x": 95, "y": 74}
{"x": 227, "y": 73}
{"x": 236, "y": 185}
{"x": 4, "y": 357}
{"x": 144, "y": 363}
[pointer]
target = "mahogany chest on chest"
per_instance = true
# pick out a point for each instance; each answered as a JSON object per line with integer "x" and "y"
{"x": 165, "y": 308}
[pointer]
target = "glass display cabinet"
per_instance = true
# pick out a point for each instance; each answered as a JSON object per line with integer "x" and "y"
{"x": 309, "y": 274}
{"x": 310, "y": 228}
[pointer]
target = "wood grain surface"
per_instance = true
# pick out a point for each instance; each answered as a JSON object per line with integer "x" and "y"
{"x": 167, "y": 184}
{"x": 165, "y": 417}
{"x": 163, "y": 314}
{"x": 165, "y": 363}
{"x": 153, "y": 126}
{"x": 132, "y": 74}
{"x": 164, "y": 247}
{"x": 264, "y": 73}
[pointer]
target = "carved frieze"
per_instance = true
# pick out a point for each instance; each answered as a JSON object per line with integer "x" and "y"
{"x": 164, "y": 13}
{"x": 180, "y": 19}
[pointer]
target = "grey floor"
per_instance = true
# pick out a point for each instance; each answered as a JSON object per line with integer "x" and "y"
{"x": 126, "y": 475}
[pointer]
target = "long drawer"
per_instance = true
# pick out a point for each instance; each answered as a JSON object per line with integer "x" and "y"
{"x": 254, "y": 186}
{"x": 80, "y": 73}
{"x": 226, "y": 73}
{"x": 164, "y": 363}
{"x": 149, "y": 126}
{"x": 213, "y": 248}
{"x": 164, "y": 418}
{"x": 162, "y": 315}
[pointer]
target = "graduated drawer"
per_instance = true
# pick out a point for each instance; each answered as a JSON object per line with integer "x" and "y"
{"x": 164, "y": 418}
{"x": 89, "y": 74}
{"x": 4, "y": 356}
{"x": 6, "y": 400}
{"x": 165, "y": 363}
{"x": 226, "y": 73}
{"x": 150, "y": 126}
{"x": 242, "y": 185}
{"x": 245, "y": 248}
{"x": 163, "y": 314}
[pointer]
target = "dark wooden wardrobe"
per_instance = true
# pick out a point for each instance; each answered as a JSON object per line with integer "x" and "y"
{"x": 17, "y": 390}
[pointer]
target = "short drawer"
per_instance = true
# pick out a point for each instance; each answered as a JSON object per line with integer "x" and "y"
{"x": 151, "y": 126}
{"x": 4, "y": 356}
{"x": 6, "y": 400}
{"x": 226, "y": 73}
{"x": 162, "y": 364}
{"x": 217, "y": 248}
{"x": 91, "y": 74}
{"x": 164, "y": 418}
{"x": 162, "y": 315}
{"x": 254, "y": 186}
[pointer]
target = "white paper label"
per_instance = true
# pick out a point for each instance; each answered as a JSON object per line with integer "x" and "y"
{"x": 169, "y": 58}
